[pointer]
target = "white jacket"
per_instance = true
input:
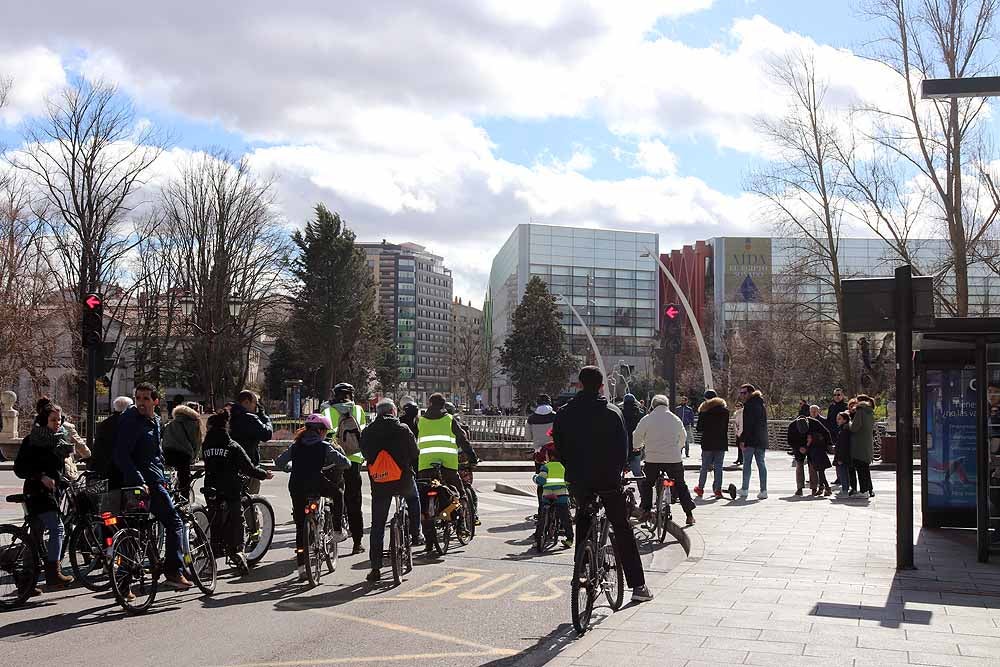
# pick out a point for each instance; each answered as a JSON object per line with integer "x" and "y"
{"x": 662, "y": 434}
{"x": 738, "y": 418}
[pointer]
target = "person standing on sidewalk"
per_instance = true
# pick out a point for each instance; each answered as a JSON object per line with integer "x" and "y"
{"x": 632, "y": 414}
{"x": 686, "y": 415}
{"x": 662, "y": 435}
{"x": 862, "y": 429}
{"x": 754, "y": 438}
{"x": 839, "y": 405}
{"x": 842, "y": 456}
{"x": 738, "y": 428}
{"x": 798, "y": 446}
{"x": 713, "y": 424}
{"x": 590, "y": 439}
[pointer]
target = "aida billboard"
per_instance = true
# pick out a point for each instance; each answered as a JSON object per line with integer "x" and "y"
{"x": 747, "y": 269}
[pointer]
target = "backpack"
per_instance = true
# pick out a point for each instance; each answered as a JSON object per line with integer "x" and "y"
{"x": 384, "y": 469}
{"x": 349, "y": 434}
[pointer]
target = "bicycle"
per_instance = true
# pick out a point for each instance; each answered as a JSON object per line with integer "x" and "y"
{"x": 596, "y": 568}
{"x": 136, "y": 562}
{"x": 258, "y": 515}
{"x": 661, "y": 510}
{"x": 400, "y": 545}
{"x": 320, "y": 544}
{"x": 90, "y": 541}
{"x": 439, "y": 524}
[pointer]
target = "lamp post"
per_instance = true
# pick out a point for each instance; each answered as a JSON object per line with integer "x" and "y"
{"x": 586, "y": 330}
{"x": 234, "y": 306}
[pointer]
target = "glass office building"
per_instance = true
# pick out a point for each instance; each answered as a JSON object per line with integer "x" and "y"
{"x": 601, "y": 272}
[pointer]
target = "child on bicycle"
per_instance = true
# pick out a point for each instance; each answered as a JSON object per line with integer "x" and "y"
{"x": 551, "y": 479}
{"x": 226, "y": 466}
{"x": 309, "y": 455}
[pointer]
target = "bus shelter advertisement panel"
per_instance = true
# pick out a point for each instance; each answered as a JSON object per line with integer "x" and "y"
{"x": 950, "y": 397}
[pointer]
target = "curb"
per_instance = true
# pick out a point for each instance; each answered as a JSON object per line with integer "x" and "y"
{"x": 511, "y": 490}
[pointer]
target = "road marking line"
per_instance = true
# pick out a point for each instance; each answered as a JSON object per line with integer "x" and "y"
{"x": 381, "y": 658}
{"x": 445, "y": 584}
{"x": 385, "y": 625}
{"x": 475, "y": 594}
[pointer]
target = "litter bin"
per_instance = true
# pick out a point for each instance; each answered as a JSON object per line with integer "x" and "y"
{"x": 889, "y": 449}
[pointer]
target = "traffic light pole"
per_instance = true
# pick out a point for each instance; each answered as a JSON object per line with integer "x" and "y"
{"x": 92, "y": 356}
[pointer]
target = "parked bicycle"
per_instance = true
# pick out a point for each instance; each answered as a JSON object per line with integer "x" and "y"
{"x": 596, "y": 568}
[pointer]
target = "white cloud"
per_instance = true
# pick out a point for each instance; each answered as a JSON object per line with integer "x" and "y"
{"x": 655, "y": 157}
{"x": 34, "y": 72}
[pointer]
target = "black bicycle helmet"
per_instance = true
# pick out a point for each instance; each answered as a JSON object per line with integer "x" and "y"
{"x": 343, "y": 388}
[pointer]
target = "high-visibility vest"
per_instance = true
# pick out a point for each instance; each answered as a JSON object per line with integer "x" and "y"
{"x": 555, "y": 479}
{"x": 437, "y": 443}
{"x": 360, "y": 416}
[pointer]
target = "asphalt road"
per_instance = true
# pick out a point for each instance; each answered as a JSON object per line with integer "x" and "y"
{"x": 492, "y": 602}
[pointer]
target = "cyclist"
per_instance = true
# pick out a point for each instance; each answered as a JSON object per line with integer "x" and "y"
{"x": 551, "y": 479}
{"x": 309, "y": 454}
{"x": 348, "y": 436}
{"x": 391, "y": 454}
{"x": 41, "y": 463}
{"x": 466, "y": 463}
{"x": 139, "y": 458}
{"x": 226, "y": 463}
{"x": 439, "y": 438}
{"x": 663, "y": 436}
{"x": 591, "y": 441}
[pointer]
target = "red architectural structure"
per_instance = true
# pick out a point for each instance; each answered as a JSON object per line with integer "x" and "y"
{"x": 689, "y": 267}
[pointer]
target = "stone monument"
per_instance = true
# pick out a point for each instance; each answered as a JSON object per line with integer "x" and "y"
{"x": 9, "y": 440}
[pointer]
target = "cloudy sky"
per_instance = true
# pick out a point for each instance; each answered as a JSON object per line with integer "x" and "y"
{"x": 447, "y": 122}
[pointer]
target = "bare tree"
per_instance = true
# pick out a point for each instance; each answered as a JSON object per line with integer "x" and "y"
{"x": 470, "y": 358}
{"x": 804, "y": 189}
{"x": 230, "y": 245}
{"x": 88, "y": 156}
{"x": 936, "y": 144}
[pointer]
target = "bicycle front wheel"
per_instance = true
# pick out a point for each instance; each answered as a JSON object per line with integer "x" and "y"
{"x": 133, "y": 579}
{"x": 582, "y": 592}
{"x": 396, "y": 547}
{"x": 259, "y": 517}
{"x": 200, "y": 561}
{"x": 87, "y": 556}
{"x": 18, "y": 566}
{"x": 612, "y": 576}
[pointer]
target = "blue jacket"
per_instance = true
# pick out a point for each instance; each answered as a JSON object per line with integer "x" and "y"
{"x": 686, "y": 414}
{"x": 137, "y": 454}
{"x": 309, "y": 454}
{"x": 249, "y": 430}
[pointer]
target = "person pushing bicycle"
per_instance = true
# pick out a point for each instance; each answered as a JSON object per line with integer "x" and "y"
{"x": 592, "y": 443}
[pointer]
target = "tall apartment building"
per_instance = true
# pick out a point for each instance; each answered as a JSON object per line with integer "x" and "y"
{"x": 609, "y": 276}
{"x": 414, "y": 292}
{"x": 467, "y": 350}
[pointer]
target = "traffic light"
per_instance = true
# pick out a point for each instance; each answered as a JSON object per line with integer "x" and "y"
{"x": 672, "y": 320}
{"x": 93, "y": 320}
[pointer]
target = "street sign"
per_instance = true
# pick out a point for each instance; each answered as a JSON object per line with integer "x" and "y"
{"x": 870, "y": 304}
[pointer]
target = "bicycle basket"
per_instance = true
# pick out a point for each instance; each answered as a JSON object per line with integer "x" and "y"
{"x": 129, "y": 500}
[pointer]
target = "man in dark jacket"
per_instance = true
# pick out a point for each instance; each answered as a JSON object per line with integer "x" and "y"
{"x": 391, "y": 454}
{"x": 632, "y": 414}
{"x": 713, "y": 424}
{"x": 754, "y": 438}
{"x": 798, "y": 433}
{"x": 100, "y": 460}
{"x": 139, "y": 460}
{"x": 590, "y": 437}
{"x": 250, "y": 426}
{"x": 839, "y": 405}
{"x": 686, "y": 415}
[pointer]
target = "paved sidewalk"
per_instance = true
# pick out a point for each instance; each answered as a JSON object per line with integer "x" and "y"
{"x": 800, "y": 581}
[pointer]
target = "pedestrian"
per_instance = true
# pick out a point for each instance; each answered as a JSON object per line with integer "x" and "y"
{"x": 862, "y": 428}
{"x": 391, "y": 455}
{"x": 798, "y": 446}
{"x": 713, "y": 424}
{"x": 686, "y": 415}
{"x": 842, "y": 456}
{"x": 99, "y": 463}
{"x": 838, "y": 405}
{"x": 80, "y": 450}
{"x": 738, "y": 428}
{"x": 754, "y": 438}
{"x": 632, "y": 414}
{"x": 249, "y": 426}
{"x": 817, "y": 446}
{"x": 803, "y": 408}
{"x": 590, "y": 440}
{"x": 662, "y": 435}
{"x": 41, "y": 463}
{"x": 815, "y": 413}
{"x": 410, "y": 413}
{"x": 182, "y": 438}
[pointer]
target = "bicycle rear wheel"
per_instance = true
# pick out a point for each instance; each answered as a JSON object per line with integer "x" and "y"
{"x": 396, "y": 547}
{"x": 200, "y": 561}
{"x": 662, "y": 510}
{"x": 582, "y": 591}
{"x": 444, "y": 530}
{"x": 542, "y": 528}
{"x": 314, "y": 551}
{"x": 465, "y": 529}
{"x": 613, "y": 575}
{"x": 258, "y": 513}
{"x": 133, "y": 578}
{"x": 88, "y": 558}
{"x": 18, "y": 566}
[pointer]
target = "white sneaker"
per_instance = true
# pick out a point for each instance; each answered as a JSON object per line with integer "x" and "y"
{"x": 762, "y": 495}
{"x": 742, "y": 493}
{"x": 642, "y": 594}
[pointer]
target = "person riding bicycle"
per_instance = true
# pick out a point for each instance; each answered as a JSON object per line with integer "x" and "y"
{"x": 592, "y": 444}
{"x": 41, "y": 463}
{"x": 439, "y": 438}
{"x": 226, "y": 466}
{"x": 466, "y": 464}
{"x": 348, "y": 420}
{"x": 309, "y": 454}
{"x": 391, "y": 454}
{"x": 551, "y": 479}
{"x": 138, "y": 457}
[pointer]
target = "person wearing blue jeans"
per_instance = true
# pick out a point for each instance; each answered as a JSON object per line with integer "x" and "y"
{"x": 713, "y": 424}
{"x": 751, "y": 454}
{"x": 686, "y": 415}
{"x": 754, "y": 438}
{"x": 381, "y": 506}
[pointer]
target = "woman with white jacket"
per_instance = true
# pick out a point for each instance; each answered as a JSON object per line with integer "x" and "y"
{"x": 661, "y": 433}
{"x": 738, "y": 418}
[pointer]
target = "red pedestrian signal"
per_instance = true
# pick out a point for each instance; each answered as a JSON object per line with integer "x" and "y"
{"x": 92, "y": 301}
{"x": 93, "y": 320}
{"x": 672, "y": 312}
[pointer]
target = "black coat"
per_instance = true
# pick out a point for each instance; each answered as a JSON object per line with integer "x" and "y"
{"x": 42, "y": 453}
{"x": 713, "y": 424}
{"x": 797, "y": 439}
{"x": 387, "y": 434}
{"x": 102, "y": 453}
{"x": 409, "y": 417}
{"x": 225, "y": 461}
{"x": 831, "y": 417}
{"x": 842, "y": 453}
{"x": 755, "y": 421}
{"x": 249, "y": 429}
{"x": 631, "y": 413}
{"x": 590, "y": 437}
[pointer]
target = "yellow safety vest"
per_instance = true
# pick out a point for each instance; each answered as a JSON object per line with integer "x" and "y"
{"x": 360, "y": 416}
{"x": 437, "y": 443}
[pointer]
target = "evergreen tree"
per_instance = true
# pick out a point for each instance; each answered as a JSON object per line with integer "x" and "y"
{"x": 284, "y": 365}
{"x": 534, "y": 354}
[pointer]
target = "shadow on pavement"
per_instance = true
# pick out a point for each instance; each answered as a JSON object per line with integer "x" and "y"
{"x": 37, "y": 627}
{"x": 514, "y": 527}
{"x": 334, "y": 597}
{"x": 542, "y": 651}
